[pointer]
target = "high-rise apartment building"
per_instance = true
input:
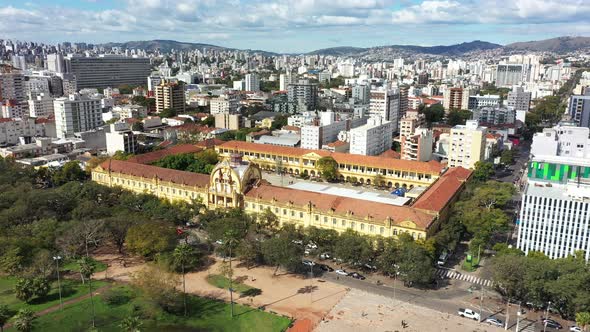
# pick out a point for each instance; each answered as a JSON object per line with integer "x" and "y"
{"x": 170, "y": 95}
{"x": 19, "y": 61}
{"x": 55, "y": 63}
{"x": 403, "y": 101}
{"x": 121, "y": 138}
{"x": 386, "y": 104}
{"x": 40, "y": 105}
{"x": 361, "y": 93}
{"x": 251, "y": 82}
{"x": 76, "y": 113}
{"x": 495, "y": 115}
{"x": 456, "y": 99}
{"x": 285, "y": 80}
{"x": 554, "y": 216}
{"x": 467, "y": 144}
{"x": 373, "y": 138}
{"x": 108, "y": 70}
{"x": 224, "y": 103}
{"x": 579, "y": 109}
{"x": 418, "y": 146}
{"x": 511, "y": 74}
{"x": 410, "y": 122}
{"x": 12, "y": 84}
{"x": 519, "y": 99}
{"x": 304, "y": 94}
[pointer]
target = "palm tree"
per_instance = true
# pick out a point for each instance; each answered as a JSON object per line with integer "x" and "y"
{"x": 24, "y": 320}
{"x": 184, "y": 255}
{"x": 131, "y": 324}
{"x": 5, "y": 315}
{"x": 87, "y": 269}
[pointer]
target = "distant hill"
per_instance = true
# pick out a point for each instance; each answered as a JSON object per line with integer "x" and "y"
{"x": 166, "y": 46}
{"x": 457, "y": 49}
{"x": 338, "y": 51}
{"x": 556, "y": 45}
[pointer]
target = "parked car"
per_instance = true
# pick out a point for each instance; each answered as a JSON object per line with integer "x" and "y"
{"x": 307, "y": 262}
{"x": 575, "y": 329}
{"x": 325, "y": 267}
{"x": 299, "y": 242}
{"x": 341, "y": 272}
{"x": 219, "y": 242}
{"x": 357, "y": 275}
{"x": 311, "y": 245}
{"x": 325, "y": 256}
{"x": 468, "y": 313}
{"x": 552, "y": 324}
{"x": 494, "y": 321}
{"x": 369, "y": 267}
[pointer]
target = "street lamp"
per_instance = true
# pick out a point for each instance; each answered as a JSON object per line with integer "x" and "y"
{"x": 57, "y": 259}
{"x": 518, "y": 313}
{"x": 546, "y": 316}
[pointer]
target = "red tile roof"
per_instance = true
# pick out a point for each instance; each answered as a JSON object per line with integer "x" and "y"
{"x": 443, "y": 190}
{"x": 150, "y": 172}
{"x": 210, "y": 143}
{"x": 391, "y": 154}
{"x": 150, "y": 157}
{"x": 431, "y": 167}
{"x": 379, "y": 212}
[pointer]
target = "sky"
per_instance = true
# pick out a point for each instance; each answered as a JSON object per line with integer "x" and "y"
{"x": 292, "y": 26}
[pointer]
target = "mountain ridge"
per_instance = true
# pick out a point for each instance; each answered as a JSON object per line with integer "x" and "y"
{"x": 565, "y": 44}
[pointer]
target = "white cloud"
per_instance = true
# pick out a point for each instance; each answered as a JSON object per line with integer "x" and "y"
{"x": 224, "y": 19}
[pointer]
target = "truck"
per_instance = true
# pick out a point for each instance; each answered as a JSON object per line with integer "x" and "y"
{"x": 468, "y": 313}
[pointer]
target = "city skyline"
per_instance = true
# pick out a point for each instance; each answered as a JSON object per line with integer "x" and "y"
{"x": 303, "y": 26}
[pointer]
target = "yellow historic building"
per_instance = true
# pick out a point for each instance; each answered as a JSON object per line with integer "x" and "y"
{"x": 237, "y": 183}
{"x": 366, "y": 169}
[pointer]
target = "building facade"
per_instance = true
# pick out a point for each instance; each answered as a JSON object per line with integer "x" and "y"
{"x": 371, "y": 139}
{"x": 41, "y": 105}
{"x": 76, "y": 113}
{"x": 108, "y": 70}
{"x": 170, "y": 95}
{"x": 386, "y": 104}
{"x": 467, "y": 144}
{"x": 554, "y": 216}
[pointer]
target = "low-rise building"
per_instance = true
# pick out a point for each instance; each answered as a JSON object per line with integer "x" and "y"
{"x": 120, "y": 138}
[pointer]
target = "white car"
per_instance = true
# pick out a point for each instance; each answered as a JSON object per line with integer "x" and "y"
{"x": 494, "y": 321}
{"x": 575, "y": 329}
{"x": 312, "y": 245}
{"x": 341, "y": 272}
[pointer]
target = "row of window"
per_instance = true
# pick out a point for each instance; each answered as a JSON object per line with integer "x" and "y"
{"x": 326, "y": 220}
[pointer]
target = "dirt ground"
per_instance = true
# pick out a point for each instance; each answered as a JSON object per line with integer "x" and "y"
{"x": 285, "y": 294}
{"x": 361, "y": 311}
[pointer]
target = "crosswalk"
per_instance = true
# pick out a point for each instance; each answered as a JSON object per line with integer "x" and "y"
{"x": 450, "y": 274}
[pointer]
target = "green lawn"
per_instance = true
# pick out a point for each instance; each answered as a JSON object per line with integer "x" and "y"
{"x": 204, "y": 315}
{"x": 73, "y": 266}
{"x": 220, "y": 281}
{"x": 70, "y": 289}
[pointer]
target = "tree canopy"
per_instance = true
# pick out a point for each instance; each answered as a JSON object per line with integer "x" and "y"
{"x": 328, "y": 167}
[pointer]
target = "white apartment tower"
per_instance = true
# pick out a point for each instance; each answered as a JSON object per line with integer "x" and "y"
{"x": 76, "y": 113}
{"x": 554, "y": 216}
{"x": 386, "y": 104}
{"x": 372, "y": 139}
{"x": 251, "y": 82}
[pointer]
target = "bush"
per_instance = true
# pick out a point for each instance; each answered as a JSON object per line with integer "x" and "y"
{"x": 117, "y": 296}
